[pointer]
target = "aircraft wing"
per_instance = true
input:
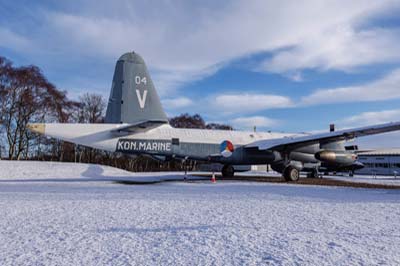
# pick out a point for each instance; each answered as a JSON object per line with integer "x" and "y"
{"x": 346, "y": 134}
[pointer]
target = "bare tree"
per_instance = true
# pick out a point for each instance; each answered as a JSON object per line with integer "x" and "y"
{"x": 195, "y": 121}
{"x": 187, "y": 121}
{"x": 5, "y": 66}
{"x": 219, "y": 126}
{"x": 26, "y": 96}
{"x": 91, "y": 108}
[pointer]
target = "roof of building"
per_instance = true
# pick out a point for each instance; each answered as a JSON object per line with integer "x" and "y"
{"x": 393, "y": 151}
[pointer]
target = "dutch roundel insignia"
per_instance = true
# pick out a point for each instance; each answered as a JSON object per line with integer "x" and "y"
{"x": 226, "y": 148}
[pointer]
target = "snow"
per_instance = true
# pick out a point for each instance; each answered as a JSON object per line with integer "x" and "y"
{"x": 74, "y": 214}
{"x": 382, "y": 180}
{"x": 55, "y": 171}
{"x": 379, "y": 179}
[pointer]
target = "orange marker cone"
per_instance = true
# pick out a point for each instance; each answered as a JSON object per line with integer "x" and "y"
{"x": 213, "y": 180}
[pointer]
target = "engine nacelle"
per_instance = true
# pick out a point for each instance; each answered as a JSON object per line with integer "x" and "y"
{"x": 336, "y": 157}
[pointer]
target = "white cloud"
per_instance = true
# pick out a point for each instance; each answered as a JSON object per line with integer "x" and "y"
{"x": 166, "y": 81}
{"x": 183, "y": 41}
{"x": 385, "y": 88}
{"x": 340, "y": 48}
{"x": 249, "y": 122}
{"x": 177, "y": 103}
{"x": 387, "y": 140}
{"x": 370, "y": 118}
{"x": 381, "y": 141}
{"x": 9, "y": 38}
{"x": 245, "y": 102}
{"x": 295, "y": 76}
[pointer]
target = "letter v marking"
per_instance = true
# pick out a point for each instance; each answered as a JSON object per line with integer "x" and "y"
{"x": 142, "y": 100}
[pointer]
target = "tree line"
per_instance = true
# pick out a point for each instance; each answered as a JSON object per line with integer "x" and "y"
{"x": 27, "y": 96}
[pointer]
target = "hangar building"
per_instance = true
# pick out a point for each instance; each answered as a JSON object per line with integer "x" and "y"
{"x": 380, "y": 162}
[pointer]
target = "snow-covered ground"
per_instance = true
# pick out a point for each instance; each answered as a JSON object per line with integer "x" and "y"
{"x": 384, "y": 180}
{"x": 27, "y": 171}
{"x": 74, "y": 214}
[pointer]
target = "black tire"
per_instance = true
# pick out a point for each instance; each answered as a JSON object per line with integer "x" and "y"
{"x": 228, "y": 171}
{"x": 291, "y": 174}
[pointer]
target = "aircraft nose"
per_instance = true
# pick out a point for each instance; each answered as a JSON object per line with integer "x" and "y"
{"x": 37, "y": 127}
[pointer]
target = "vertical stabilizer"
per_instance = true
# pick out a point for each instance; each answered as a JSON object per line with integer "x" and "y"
{"x": 133, "y": 98}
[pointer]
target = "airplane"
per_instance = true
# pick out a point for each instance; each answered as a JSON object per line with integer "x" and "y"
{"x": 135, "y": 123}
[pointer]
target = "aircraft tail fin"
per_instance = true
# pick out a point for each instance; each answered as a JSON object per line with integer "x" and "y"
{"x": 133, "y": 98}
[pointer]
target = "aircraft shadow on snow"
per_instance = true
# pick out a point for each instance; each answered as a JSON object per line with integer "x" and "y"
{"x": 95, "y": 173}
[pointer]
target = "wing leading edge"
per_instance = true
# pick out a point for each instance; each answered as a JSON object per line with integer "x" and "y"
{"x": 346, "y": 134}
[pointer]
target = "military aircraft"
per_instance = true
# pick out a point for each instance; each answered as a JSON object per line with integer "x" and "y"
{"x": 135, "y": 123}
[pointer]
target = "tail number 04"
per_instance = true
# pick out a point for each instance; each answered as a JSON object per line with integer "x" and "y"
{"x": 139, "y": 80}
{"x": 141, "y": 97}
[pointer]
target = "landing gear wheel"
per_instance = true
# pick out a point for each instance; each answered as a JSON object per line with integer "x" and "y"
{"x": 228, "y": 171}
{"x": 291, "y": 174}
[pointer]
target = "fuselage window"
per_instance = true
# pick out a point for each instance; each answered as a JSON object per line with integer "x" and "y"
{"x": 175, "y": 141}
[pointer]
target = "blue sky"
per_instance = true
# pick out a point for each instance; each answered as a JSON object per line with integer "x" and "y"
{"x": 280, "y": 65}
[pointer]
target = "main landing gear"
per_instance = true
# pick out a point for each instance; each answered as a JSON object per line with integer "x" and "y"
{"x": 228, "y": 171}
{"x": 313, "y": 174}
{"x": 291, "y": 173}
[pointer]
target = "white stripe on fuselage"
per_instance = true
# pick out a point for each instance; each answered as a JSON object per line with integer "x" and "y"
{"x": 100, "y": 136}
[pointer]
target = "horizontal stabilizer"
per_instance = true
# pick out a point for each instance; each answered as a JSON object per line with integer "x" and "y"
{"x": 140, "y": 126}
